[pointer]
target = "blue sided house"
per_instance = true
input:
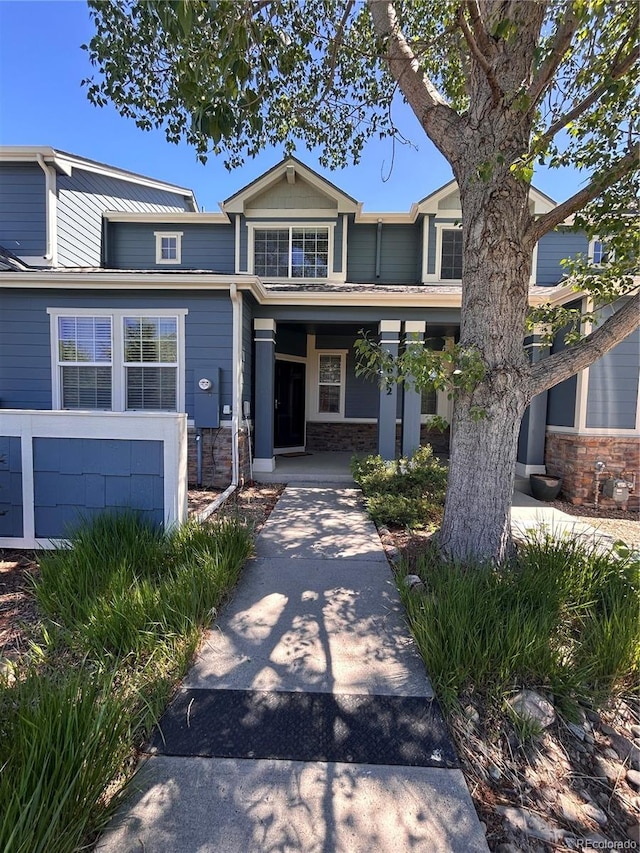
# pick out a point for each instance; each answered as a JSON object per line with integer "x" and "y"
{"x": 146, "y": 346}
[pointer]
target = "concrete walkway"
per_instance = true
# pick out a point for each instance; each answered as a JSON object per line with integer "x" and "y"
{"x": 316, "y": 625}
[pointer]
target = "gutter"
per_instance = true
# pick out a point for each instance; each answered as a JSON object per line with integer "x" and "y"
{"x": 51, "y": 199}
{"x": 236, "y": 397}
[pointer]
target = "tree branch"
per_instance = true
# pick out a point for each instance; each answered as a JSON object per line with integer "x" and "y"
{"x": 437, "y": 118}
{"x": 478, "y": 55}
{"x": 561, "y": 43}
{"x": 479, "y": 30}
{"x": 599, "y": 183}
{"x": 556, "y": 368}
{"x": 615, "y": 74}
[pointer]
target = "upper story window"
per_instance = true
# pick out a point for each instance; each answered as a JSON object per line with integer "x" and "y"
{"x": 168, "y": 247}
{"x": 119, "y": 361}
{"x": 451, "y": 254}
{"x": 291, "y": 252}
{"x": 598, "y": 252}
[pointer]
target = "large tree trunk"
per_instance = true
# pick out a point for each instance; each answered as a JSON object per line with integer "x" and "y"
{"x": 497, "y": 265}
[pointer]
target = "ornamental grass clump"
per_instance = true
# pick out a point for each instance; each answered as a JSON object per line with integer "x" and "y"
{"x": 404, "y": 492}
{"x": 64, "y": 738}
{"x": 123, "y": 608}
{"x": 563, "y": 616}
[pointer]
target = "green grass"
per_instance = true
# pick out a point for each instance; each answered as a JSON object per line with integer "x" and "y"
{"x": 562, "y": 616}
{"x": 123, "y": 609}
{"x": 403, "y": 492}
{"x": 64, "y": 737}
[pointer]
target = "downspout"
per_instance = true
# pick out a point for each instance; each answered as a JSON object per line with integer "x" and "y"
{"x": 378, "y": 247}
{"x": 236, "y": 397}
{"x": 51, "y": 253}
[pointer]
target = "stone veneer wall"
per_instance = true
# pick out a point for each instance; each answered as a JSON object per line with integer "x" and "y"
{"x": 216, "y": 457}
{"x": 573, "y": 457}
{"x": 363, "y": 438}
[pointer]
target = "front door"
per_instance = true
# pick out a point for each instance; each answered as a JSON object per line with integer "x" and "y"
{"x": 288, "y": 423}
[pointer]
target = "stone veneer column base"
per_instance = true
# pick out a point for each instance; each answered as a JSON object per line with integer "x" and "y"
{"x": 573, "y": 457}
{"x": 216, "y": 457}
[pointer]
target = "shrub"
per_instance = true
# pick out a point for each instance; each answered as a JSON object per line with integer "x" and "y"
{"x": 404, "y": 492}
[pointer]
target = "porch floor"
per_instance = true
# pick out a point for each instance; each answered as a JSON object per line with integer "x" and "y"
{"x": 313, "y": 467}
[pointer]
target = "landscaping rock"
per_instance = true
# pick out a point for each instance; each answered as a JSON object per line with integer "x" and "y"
{"x": 569, "y": 810}
{"x": 623, "y": 747}
{"x": 633, "y": 778}
{"x": 635, "y": 730}
{"x": 595, "y": 813}
{"x": 604, "y": 769}
{"x": 576, "y": 731}
{"x": 414, "y": 583}
{"x": 609, "y": 753}
{"x": 593, "y": 716}
{"x": 531, "y": 824}
{"x": 633, "y": 833}
{"x": 530, "y": 705}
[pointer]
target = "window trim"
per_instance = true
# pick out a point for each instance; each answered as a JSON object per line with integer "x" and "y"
{"x": 591, "y": 252}
{"x": 178, "y": 238}
{"x": 118, "y": 367}
{"x": 314, "y": 385}
{"x": 290, "y": 225}
{"x": 441, "y": 227}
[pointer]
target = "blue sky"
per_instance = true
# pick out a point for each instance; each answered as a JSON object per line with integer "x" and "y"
{"x": 42, "y": 103}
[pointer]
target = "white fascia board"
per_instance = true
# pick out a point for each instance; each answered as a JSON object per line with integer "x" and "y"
{"x": 30, "y": 153}
{"x": 390, "y": 218}
{"x": 168, "y": 217}
{"x": 66, "y": 162}
{"x": 429, "y": 204}
{"x": 81, "y": 280}
{"x": 236, "y": 203}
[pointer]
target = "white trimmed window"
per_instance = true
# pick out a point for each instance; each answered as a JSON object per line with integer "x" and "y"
{"x": 598, "y": 252}
{"x": 168, "y": 247}
{"x": 119, "y": 361}
{"x": 151, "y": 363}
{"x": 451, "y": 254}
{"x": 331, "y": 384}
{"x": 292, "y": 252}
{"x": 84, "y": 362}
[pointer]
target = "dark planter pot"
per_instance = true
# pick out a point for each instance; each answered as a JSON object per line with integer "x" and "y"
{"x": 544, "y": 488}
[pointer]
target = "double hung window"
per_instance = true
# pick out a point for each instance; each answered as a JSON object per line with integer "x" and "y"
{"x": 291, "y": 252}
{"x": 120, "y": 361}
{"x": 85, "y": 362}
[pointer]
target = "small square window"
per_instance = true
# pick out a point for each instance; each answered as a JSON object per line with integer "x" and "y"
{"x": 168, "y": 247}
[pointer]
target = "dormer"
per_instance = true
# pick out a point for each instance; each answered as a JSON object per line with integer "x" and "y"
{"x": 442, "y": 234}
{"x": 291, "y": 225}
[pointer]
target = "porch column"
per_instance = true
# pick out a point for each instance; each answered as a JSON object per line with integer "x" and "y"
{"x": 388, "y": 407}
{"x": 412, "y": 400}
{"x": 533, "y": 429}
{"x": 265, "y": 359}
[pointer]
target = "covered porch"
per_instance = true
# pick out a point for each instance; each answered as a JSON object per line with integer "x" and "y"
{"x": 307, "y": 398}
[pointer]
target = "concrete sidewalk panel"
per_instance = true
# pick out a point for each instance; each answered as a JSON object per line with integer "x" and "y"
{"x": 320, "y": 522}
{"x": 317, "y": 625}
{"x": 200, "y": 805}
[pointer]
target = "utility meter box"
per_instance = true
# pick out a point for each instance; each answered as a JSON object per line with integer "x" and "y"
{"x": 616, "y": 489}
{"x": 206, "y": 399}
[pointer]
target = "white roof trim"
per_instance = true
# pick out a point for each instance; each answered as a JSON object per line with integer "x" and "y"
{"x": 237, "y": 202}
{"x": 65, "y": 163}
{"x": 542, "y": 203}
{"x": 169, "y": 217}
